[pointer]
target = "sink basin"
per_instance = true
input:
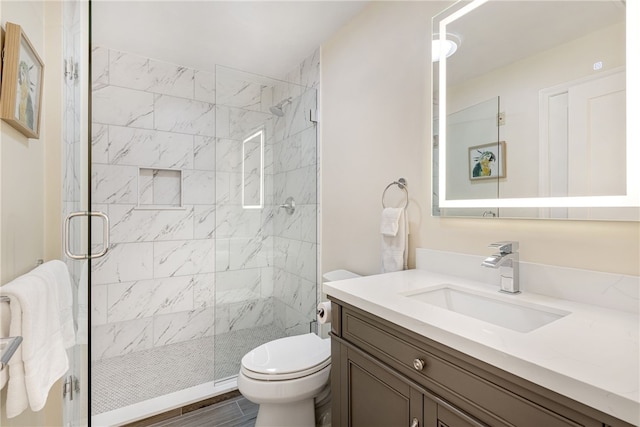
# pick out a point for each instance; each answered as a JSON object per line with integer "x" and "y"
{"x": 511, "y": 315}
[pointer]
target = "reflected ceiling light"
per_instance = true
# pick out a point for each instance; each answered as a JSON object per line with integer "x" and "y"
{"x": 444, "y": 48}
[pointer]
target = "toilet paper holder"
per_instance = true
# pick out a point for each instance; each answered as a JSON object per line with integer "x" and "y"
{"x": 324, "y": 312}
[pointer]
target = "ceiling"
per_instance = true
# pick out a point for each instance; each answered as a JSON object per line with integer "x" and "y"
{"x": 263, "y": 37}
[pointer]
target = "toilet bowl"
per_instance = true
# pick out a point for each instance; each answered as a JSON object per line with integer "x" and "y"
{"x": 289, "y": 377}
{"x": 284, "y": 377}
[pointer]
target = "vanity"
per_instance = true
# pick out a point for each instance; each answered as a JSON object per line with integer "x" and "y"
{"x": 401, "y": 357}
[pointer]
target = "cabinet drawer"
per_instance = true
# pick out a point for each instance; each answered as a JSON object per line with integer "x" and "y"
{"x": 474, "y": 394}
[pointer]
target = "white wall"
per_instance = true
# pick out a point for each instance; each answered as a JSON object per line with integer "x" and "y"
{"x": 28, "y": 198}
{"x": 21, "y": 168}
{"x": 376, "y": 113}
{"x": 375, "y": 127}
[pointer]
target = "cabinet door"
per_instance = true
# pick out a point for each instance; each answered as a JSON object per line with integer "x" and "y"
{"x": 377, "y": 396}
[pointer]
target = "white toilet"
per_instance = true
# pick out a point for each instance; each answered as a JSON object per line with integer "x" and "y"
{"x": 286, "y": 375}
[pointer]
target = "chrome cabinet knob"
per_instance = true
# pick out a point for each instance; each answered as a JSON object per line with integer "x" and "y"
{"x": 418, "y": 364}
{"x": 415, "y": 423}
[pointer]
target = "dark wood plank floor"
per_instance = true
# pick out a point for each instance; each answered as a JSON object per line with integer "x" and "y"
{"x": 236, "y": 412}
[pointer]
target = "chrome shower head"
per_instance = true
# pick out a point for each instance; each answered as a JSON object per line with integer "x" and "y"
{"x": 277, "y": 109}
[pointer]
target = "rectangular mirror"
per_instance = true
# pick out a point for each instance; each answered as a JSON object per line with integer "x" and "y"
{"x": 535, "y": 99}
{"x": 253, "y": 171}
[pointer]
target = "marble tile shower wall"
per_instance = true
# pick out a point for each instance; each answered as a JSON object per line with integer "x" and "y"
{"x": 156, "y": 284}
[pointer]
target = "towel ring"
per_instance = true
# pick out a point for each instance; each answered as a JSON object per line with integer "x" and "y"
{"x": 402, "y": 184}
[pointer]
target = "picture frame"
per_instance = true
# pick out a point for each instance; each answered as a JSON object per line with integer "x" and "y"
{"x": 22, "y": 80}
{"x": 488, "y": 161}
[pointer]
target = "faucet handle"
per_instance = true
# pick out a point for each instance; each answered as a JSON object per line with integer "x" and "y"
{"x": 505, "y": 247}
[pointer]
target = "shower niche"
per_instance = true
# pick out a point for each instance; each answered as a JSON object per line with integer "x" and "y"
{"x": 159, "y": 188}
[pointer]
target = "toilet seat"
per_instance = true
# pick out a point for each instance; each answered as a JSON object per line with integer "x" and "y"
{"x": 287, "y": 358}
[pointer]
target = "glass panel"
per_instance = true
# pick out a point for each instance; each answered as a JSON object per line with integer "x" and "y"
{"x": 266, "y": 256}
{"x": 75, "y": 199}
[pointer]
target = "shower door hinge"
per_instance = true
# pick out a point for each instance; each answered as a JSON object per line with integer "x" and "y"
{"x": 70, "y": 69}
{"x": 501, "y": 119}
{"x": 313, "y": 115}
{"x": 70, "y": 387}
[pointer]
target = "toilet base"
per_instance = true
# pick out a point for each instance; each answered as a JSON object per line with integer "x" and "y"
{"x": 295, "y": 414}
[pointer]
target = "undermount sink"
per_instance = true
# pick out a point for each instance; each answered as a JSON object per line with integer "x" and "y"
{"x": 514, "y": 316}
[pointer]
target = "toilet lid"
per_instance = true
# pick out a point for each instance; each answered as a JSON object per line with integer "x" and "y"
{"x": 300, "y": 354}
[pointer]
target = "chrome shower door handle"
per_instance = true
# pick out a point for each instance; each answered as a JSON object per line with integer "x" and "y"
{"x": 105, "y": 235}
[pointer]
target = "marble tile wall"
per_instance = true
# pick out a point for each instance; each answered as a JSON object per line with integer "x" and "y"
{"x": 156, "y": 285}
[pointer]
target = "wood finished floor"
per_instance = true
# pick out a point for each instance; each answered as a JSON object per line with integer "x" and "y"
{"x": 236, "y": 412}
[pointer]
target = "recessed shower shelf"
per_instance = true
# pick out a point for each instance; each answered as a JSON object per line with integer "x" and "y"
{"x": 159, "y": 189}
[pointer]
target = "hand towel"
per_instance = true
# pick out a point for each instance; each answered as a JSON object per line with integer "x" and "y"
{"x": 395, "y": 248}
{"x": 390, "y": 221}
{"x": 36, "y": 313}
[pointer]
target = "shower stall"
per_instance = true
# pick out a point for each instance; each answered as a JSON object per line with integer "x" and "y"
{"x": 209, "y": 180}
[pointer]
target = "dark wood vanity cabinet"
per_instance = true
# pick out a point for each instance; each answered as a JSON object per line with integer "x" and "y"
{"x": 378, "y": 396}
{"x": 384, "y": 375}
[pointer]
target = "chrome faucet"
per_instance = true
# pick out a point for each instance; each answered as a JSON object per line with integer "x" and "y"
{"x": 507, "y": 261}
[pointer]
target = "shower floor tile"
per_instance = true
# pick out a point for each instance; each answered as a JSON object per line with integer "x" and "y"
{"x": 125, "y": 380}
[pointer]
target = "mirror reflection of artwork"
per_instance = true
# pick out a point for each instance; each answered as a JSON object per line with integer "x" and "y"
{"x": 21, "y": 83}
{"x": 487, "y": 161}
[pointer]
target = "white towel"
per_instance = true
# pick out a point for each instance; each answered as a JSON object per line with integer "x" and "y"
{"x": 390, "y": 221}
{"x": 5, "y": 320}
{"x": 57, "y": 272}
{"x": 38, "y": 301}
{"x": 395, "y": 248}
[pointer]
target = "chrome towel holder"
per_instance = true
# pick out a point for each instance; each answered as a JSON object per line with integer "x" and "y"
{"x": 402, "y": 184}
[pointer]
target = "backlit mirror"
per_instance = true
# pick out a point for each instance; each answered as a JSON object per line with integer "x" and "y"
{"x": 532, "y": 110}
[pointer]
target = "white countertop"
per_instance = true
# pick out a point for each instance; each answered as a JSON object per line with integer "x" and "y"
{"x": 591, "y": 355}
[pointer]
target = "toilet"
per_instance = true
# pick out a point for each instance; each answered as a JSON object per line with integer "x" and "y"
{"x": 286, "y": 376}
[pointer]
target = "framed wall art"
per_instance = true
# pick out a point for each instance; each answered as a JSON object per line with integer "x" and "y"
{"x": 22, "y": 74}
{"x": 487, "y": 161}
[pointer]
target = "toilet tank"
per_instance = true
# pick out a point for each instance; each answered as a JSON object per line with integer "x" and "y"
{"x": 332, "y": 276}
